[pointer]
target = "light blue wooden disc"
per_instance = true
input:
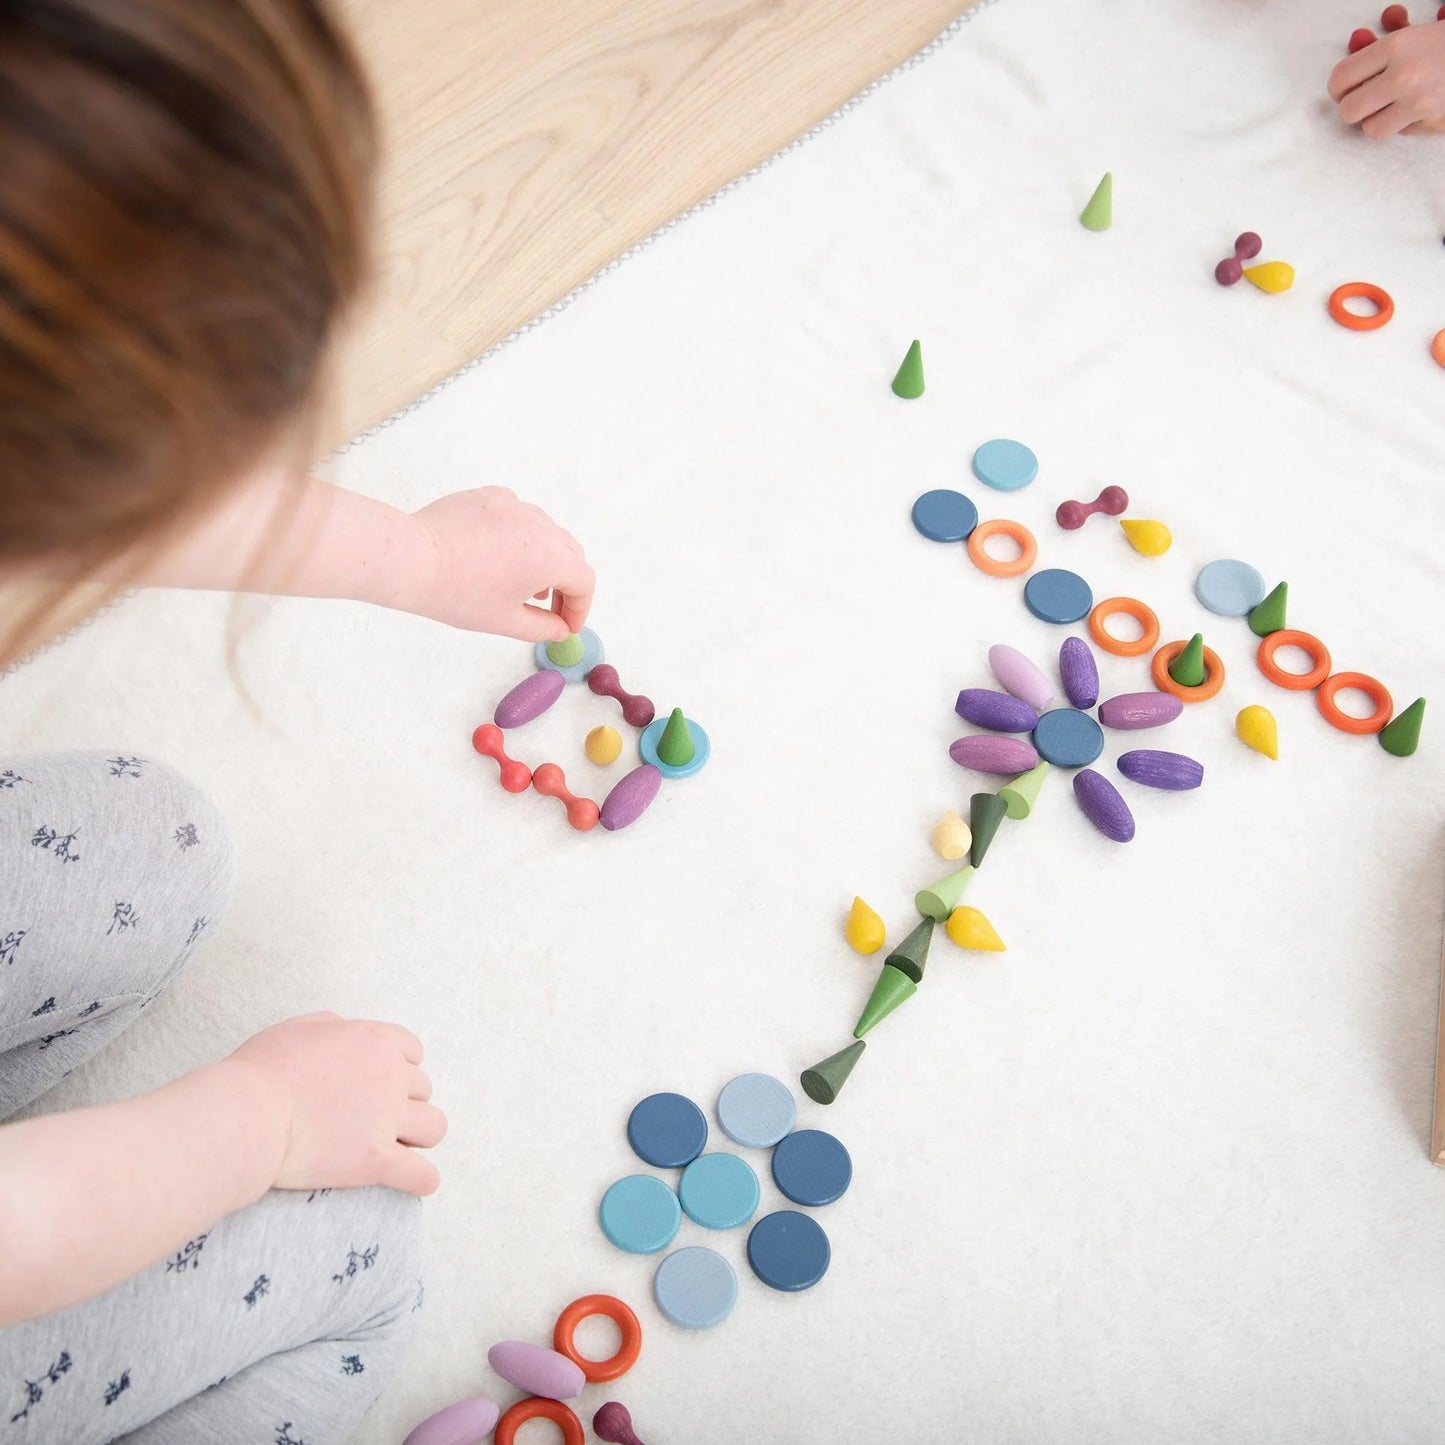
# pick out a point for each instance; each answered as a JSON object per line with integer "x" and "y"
{"x": 695, "y": 1288}
{"x": 719, "y": 1191}
{"x": 592, "y": 654}
{"x": 1229, "y": 587}
{"x": 1005, "y": 465}
{"x": 640, "y": 1214}
{"x": 756, "y": 1110}
{"x": 652, "y": 735}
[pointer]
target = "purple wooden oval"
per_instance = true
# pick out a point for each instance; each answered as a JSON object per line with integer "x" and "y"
{"x": 993, "y": 754}
{"x": 1000, "y": 711}
{"x": 1020, "y": 676}
{"x": 1103, "y": 806}
{"x": 468, "y": 1422}
{"x": 1172, "y": 771}
{"x": 1132, "y": 710}
{"x": 630, "y": 798}
{"x": 530, "y": 698}
{"x": 537, "y": 1370}
{"x": 1080, "y": 672}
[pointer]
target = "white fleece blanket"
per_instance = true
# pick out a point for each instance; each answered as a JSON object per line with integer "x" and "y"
{"x": 1158, "y": 1172}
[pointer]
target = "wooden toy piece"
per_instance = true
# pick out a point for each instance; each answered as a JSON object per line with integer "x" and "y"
{"x": 1102, "y": 805}
{"x": 894, "y": 987}
{"x": 637, "y": 711}
{"x": 1141, "y": 612}
{"x": 1173, "y": 772}
{"x": 1359, "y": 39}
{"x": 582, "y": 813}
{"x": 529, "y": 699}
{"x": 1257, "y": 729}
{"x": 1109, "y": 503}
{"x": 1079, "y": 671}
{"x": 466, "y": 1420}
{"x": 564, "y": 1332}
{"x": 1394, "y": 17}
{"x": 1437, "y": 342}
{"x": 812, "y": 1167}
{"x": 788, "y": 1250}
{"x": 1402, "y": 735}
{"x": 1020, "y": 796}
{"x": 1146, "y": 536}
{"x": 985, "y": 812}
{"x": 585, "y": 646}
{"x": 567, "y": 653}
{"x": 756, "y": 1110}
{"x": 666, "y": 1130}
{"x": 536, "y": 1408}
{"x": 695, "y": 1287}
{"x": 1376, "y": 691}
{"x": 1269, "y": 616}
{"x": 1229, "y": 587}
{"x": 489, "y": 741}
{"x": 1377, "y": 296}
{"x": 1271, "y": 277}
{"x": 1000, "y": 711}
{"x": 719, "y": 1190}
{"x": 824, "y": 1081}
{"x": 604, "y": 745}
{"x": 1247, "y": 245}
{"x": 536, "y": 1369}
{"x": 613, "y": 1424}
{"x": 1068, "y": 738}
{"x": 943, "y": 515}
{"x": 639, "y": 1214}
{"x": 940, "y": 900}
{"x": 1132, "y": 710}
{"x": 1057, "y": 595}
{"x": 911, "y": 956}
{"x": 676, "y": 747}
{"x": 1187, "y": 669}
{"x": 908, "y": 380}
{"x": 1098, "y": 215}
{"x": 864, "y": 930}
{"x": 992, "y": 566}
{"x": 1005, "y": 465}
{"x": 951, "y": 836}
{"x": 1020, "y": 676}
{"x": 989, "y": 754}
{"x": 1318, "y": 653}
{"x": 1161, "y": 670}
{"x": 968, "y": 928}
{"x": 630, "y": 798}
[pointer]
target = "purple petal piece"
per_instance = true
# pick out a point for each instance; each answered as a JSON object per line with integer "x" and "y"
{"x": 1103, "y": 806}
{"x": 1020, "y": 676}
{"x": 1132, "y": 710}
{"x": 1000, "y": 711}
{"x": 1080, "y": 672}
{"x": 985, "y": 754}
{"x": 1173, "y": 772}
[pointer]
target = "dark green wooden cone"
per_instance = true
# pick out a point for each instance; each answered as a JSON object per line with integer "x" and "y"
{"x": 911, "y": 956}
{"x": 675, "y": 747}
{"x": 1188, "y": 668}
{"x": 908, "y": 382}
{"x": 1401, "y": 735}
{"x": 824, "y": 1082}
{"x": 1268, "y": 616}
{"x": 894, "y": 987}
{"x": 985, "y": 812}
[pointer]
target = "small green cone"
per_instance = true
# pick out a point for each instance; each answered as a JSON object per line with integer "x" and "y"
{"x": 911, "y": 956}
{"x": 1099, "y": 213}
{"x": 908, "y": 382}
{"x": 985, "y": 812}
{"x": 568, "y": 652}
{"x": 940, "y": 900}
{"x": 824, "y": 1081}
{"x": 1020, "y": 795}
{"x": 1268, "y": 616}
{"x": 675, "y": 747}
{"x": 1188, "y": 668}
{"x": 894, "y": 987}
{"x": 1401, "y": 735}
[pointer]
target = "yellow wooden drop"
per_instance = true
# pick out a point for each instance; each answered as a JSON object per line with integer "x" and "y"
{"x": 1152, "y": 539}
{"x": 865, "y": 929}
{"x": 603, "y": 746}
{"x": 1257, "y": 729}
{"x": 951, "y": 836}
{"x": 968, "y": 928}
{"x": 1271, "y": 276}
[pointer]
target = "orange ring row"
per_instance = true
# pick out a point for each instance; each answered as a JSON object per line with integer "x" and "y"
{"x": 1130, "y": 607}
{"x": 1213, "y": 673}
{"x": 1366, "y": 292}
{"x": 1329, "y": 685}
{"x": 1375, "y": 691}
{"x": 1002, "y": 527}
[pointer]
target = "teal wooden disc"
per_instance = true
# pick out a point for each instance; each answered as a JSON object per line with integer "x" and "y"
{"x": 640, "y": 1214}
{"x": 719, "y": 1191}
{"x": 1005, "y": 465}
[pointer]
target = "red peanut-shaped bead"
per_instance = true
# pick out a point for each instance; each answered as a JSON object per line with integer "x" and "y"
{"x": 582, "y": 813}
{"x": 489, "y": 742}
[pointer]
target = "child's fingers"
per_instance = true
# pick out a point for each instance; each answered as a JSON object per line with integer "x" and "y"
{"x": 537, "y": 624}
{"x": 420, "y": 1087}
{"x": 1356, "y": 69}
{"x": 1362, "y": 102}
{"x": 1390, "y": 121}
{"x": 409, "y": 1171}
{"x": 422, "y": 1125}
{"x": 576, "y": 589}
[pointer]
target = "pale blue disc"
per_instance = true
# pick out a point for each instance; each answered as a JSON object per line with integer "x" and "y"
{"x": 652, "y": 735}
{"x": 756, "y": 1110}
{"x": 640, "y": 1214}
{"x": 1229, "y": 587}
{"x": 719, "y": 1191}
{"x": 1005, "y": 465}
{"x": 695, "y": 1288}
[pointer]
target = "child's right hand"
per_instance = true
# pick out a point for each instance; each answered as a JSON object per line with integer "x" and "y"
{"x": 352, "y": 1101}
{"x": 1396, "y": 86}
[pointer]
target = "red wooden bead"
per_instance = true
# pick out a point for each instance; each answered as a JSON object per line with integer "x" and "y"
{"x": 1394, "y": 17}
{"x": 489, "y": 742}
{"x": 550, "y": 781}
{"x": 1359, "y": 39}
{"x": 637, "y": 711}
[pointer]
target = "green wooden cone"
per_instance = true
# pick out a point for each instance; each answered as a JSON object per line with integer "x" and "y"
{"x": 908, "y": 382}
{"x": 1099, "y": 213}
{"x": 824, "y": 1081}
{"x": 1020, "y": 795}
{"x": 1401, "y": 735}
{"x": 568, "y": 652}
{"x": 893, "y": 988}
{"x": 942, "y": 898}
{"x": 911, "y": 956}
{"x": 985, "y": 812}
{"x": 675, "y": 747}
{"x": 1268, "y": 616}
{"x": 1188, "y": 668}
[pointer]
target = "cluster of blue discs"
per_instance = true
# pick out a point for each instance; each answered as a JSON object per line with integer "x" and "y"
{"x": 788, "y": 1250}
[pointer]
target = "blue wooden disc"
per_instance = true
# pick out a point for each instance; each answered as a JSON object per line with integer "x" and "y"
{"x": 719, "y": 1191}
{"x": 695, "y": 1287}
{"x": 592, "y": 654}
{"x": 1068, "y": 739}
{"x": 812, "y": 1167}
{"x": 945, "y": 516}
{"x": 652, "y": 735}
{"x": 1057, "y": 595}
{"x": 1005, "y": 465}
{"x": 1229, "y": 587}
{"x": 640, "y": 1214}
{"x": 756, "y": 1110}
{"x": 667, "y": 1130}
{"x": 788, "y": 1250}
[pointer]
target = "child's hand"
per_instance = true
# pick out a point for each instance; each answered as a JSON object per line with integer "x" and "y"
{"x": 493, "y": 553}
{"x": 354, "y": 1101}
{"x": 1395, "y": 86}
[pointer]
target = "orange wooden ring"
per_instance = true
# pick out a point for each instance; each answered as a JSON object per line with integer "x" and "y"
{"x": 599, "y": 1371}
{"x": 1367, "y": 292}
{"x": 1002, "y": 527}
{"x": 537, "y": 1408}
{"x": 1294, "y": 681}
{"x": 1213, "y": 674}
{"x": 1375, "y": 691}
{"x": 1437, "y": 348}
{"x": 1130, "y": 607}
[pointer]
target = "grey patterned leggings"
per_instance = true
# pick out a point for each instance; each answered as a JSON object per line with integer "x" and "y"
{"x": 281, "y": 1323}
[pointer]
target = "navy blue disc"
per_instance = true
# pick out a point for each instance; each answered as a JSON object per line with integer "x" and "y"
{"x": 812, "y": 1167}
{"x": 945, "y": 516}
{"x": 667, "y": 1130}
{"x": 1057, "y": 595}
{"x": 788, "y": 1250}
{"x": 1068, "y": 739}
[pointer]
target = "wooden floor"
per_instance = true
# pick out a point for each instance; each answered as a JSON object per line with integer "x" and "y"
{"x": 530, "y": 141}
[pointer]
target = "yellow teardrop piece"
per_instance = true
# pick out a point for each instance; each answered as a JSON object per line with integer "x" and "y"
{"x": 1152, "y": 539}
{"x": 1257, "y": 729}
{"x": 951, "y": 836}
{"x": 968, "y": 928}
{"x": 865, "y": 930}
{"x": 604, "y": 746}
{"x": 1271, "y": 276}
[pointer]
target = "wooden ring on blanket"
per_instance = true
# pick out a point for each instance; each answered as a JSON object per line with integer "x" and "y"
{"x": 1213, "y": 674}
{"x": 537, "y": 1408}
{"x": 621, "y": 1315}
{"x": 1130, "y": 607}
{"x": 1295, "y": 681}
{"x": 1375, "y": 691}
{"x": 1366, "y": 292}
{"x": 1002, "y": 527}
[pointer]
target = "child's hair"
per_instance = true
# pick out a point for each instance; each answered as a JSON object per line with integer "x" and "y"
{"x": 184, "y": 204}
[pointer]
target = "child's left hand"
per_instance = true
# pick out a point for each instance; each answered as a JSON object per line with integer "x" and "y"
{"x": 1395, "y": 86}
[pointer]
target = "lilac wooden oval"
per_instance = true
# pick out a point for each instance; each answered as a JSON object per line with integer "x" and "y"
{"x": 530, "y": 698}
{"x": 1080, "y": 672}
{"x": 1020, "y": 676}
{"x": 1171, "y": 771}
{"x": 630, "y": 798}
{"x": 1000, "y": 711}
{"x": 993, "y": 754}
{"x": 468, "y": 1422}
{"x": 1132, "y": 710}
{"x": 1103, "y": 806}
{"x": 537, "y": 1370}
